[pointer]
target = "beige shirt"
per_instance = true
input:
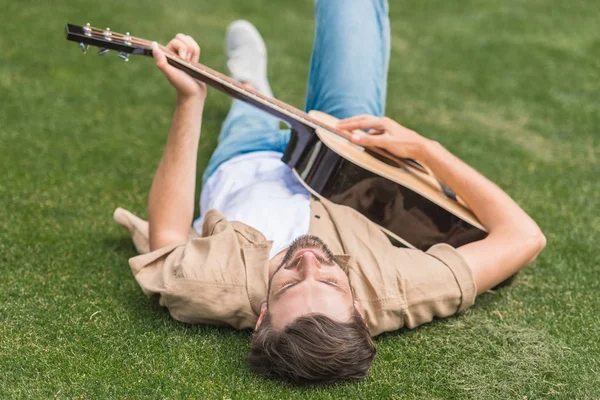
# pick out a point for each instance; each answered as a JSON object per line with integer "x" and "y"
{"x": 220, "y": 277}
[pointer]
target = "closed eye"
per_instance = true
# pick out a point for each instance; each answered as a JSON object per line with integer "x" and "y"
{"x": 291, "y": 282}
{"x": 288, "y": 284}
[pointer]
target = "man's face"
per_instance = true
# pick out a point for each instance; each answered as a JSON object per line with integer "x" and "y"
{"x": 307, "y": 280}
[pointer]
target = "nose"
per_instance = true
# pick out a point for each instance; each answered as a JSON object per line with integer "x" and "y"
{"x": 308, "y": 266}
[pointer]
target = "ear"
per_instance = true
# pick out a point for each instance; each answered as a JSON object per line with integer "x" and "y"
{"x": 263, "y": 312}
{"x": 359, "y": 309}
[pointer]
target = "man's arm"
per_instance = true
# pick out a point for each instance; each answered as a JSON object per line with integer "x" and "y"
{"x": 514, "y": 239}
{"x": 171, "y": 199}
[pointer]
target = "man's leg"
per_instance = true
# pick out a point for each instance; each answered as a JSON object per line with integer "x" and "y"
{"x": 246, "y": 128}
{"x": 349, "y": 63}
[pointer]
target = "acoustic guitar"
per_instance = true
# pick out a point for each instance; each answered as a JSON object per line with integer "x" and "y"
{"x": 402, "y": 196}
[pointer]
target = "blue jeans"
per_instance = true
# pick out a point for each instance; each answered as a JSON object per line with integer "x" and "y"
{"x": 348, "y": 76}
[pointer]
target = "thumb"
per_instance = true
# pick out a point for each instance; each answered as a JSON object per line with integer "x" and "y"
{"x": 159, "y": 57}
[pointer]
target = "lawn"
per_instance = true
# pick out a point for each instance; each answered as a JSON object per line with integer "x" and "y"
{"x": 512, "y": 87}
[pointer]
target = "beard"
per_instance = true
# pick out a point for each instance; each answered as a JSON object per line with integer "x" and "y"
{"x": 300, "y": 243}
{"x": 308, "y": 242}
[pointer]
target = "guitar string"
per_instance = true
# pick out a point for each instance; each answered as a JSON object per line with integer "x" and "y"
{"x": 222, "y": 77}
{"x": 290, "y": 109}
{"x": 202, "y": 69}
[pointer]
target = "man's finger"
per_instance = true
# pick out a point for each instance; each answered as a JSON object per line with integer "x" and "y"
{"x": 193, "y": 47}
{"x": 353, "y": 119}
{"x": 161, "y": 60}
{"x": 368, "y": 122}
{"x": 179, "y": 48}
{"x": 367, "y": 140}
{"x": 159, "y": 57}
{"x": 193, "y": 50}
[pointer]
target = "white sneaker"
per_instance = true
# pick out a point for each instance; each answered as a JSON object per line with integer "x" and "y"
{"x": 247, "y": 56}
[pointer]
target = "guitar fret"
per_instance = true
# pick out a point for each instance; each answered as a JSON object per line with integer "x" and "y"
{"x": 284, "y": 108}
{"x": 138, "y": 44}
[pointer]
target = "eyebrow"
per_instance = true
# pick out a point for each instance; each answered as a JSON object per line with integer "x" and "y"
{"x": 336, "y": 287}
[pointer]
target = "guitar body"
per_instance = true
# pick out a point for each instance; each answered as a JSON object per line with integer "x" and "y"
{"x": 410, "y": 210}
{"x": 400, "y": 195}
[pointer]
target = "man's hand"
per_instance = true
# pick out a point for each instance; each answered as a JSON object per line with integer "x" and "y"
{"x": 386, "y": 134}
{"x": 187, "y": 48}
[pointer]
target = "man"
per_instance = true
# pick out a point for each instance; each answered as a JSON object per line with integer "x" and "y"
{"x": 316, "y": 280}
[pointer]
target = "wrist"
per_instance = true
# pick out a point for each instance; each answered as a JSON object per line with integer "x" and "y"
{"x": 428, "y": 149}
{"x": 196, "y": 100}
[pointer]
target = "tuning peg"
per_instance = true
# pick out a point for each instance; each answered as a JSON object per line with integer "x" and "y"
{"x": 103, "y": 51}
{"x": 124, "y": 56}
{"x": 84, "y": 47}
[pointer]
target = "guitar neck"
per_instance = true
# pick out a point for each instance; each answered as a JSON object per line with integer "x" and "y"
{"x": 302, "y": 124}
{"x": 283, "y": 111}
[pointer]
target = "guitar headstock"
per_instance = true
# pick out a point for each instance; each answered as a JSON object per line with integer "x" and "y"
{"x": 107, "y": 40}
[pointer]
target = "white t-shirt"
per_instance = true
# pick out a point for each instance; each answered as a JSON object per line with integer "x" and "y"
{"x": 261, "y": 191}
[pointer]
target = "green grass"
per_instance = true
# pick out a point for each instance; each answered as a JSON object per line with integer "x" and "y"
{"x": 512, "y": 87}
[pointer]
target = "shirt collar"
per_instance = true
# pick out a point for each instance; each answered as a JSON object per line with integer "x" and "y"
{"x": 256, "y": 261}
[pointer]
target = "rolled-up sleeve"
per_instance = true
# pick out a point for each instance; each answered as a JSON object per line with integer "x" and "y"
{"x": 435, "y": 284}
{"x": 461, "y": 270}
{"x": 201, "y": 280}
{"x": 153, "y": 271}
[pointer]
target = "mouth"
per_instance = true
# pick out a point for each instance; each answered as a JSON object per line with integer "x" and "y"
{"x": 300, "y": 252}
{"x": 319, "y": 255}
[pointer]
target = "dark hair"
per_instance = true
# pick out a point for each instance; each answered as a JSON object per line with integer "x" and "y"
{"x": 313, "y": 348}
